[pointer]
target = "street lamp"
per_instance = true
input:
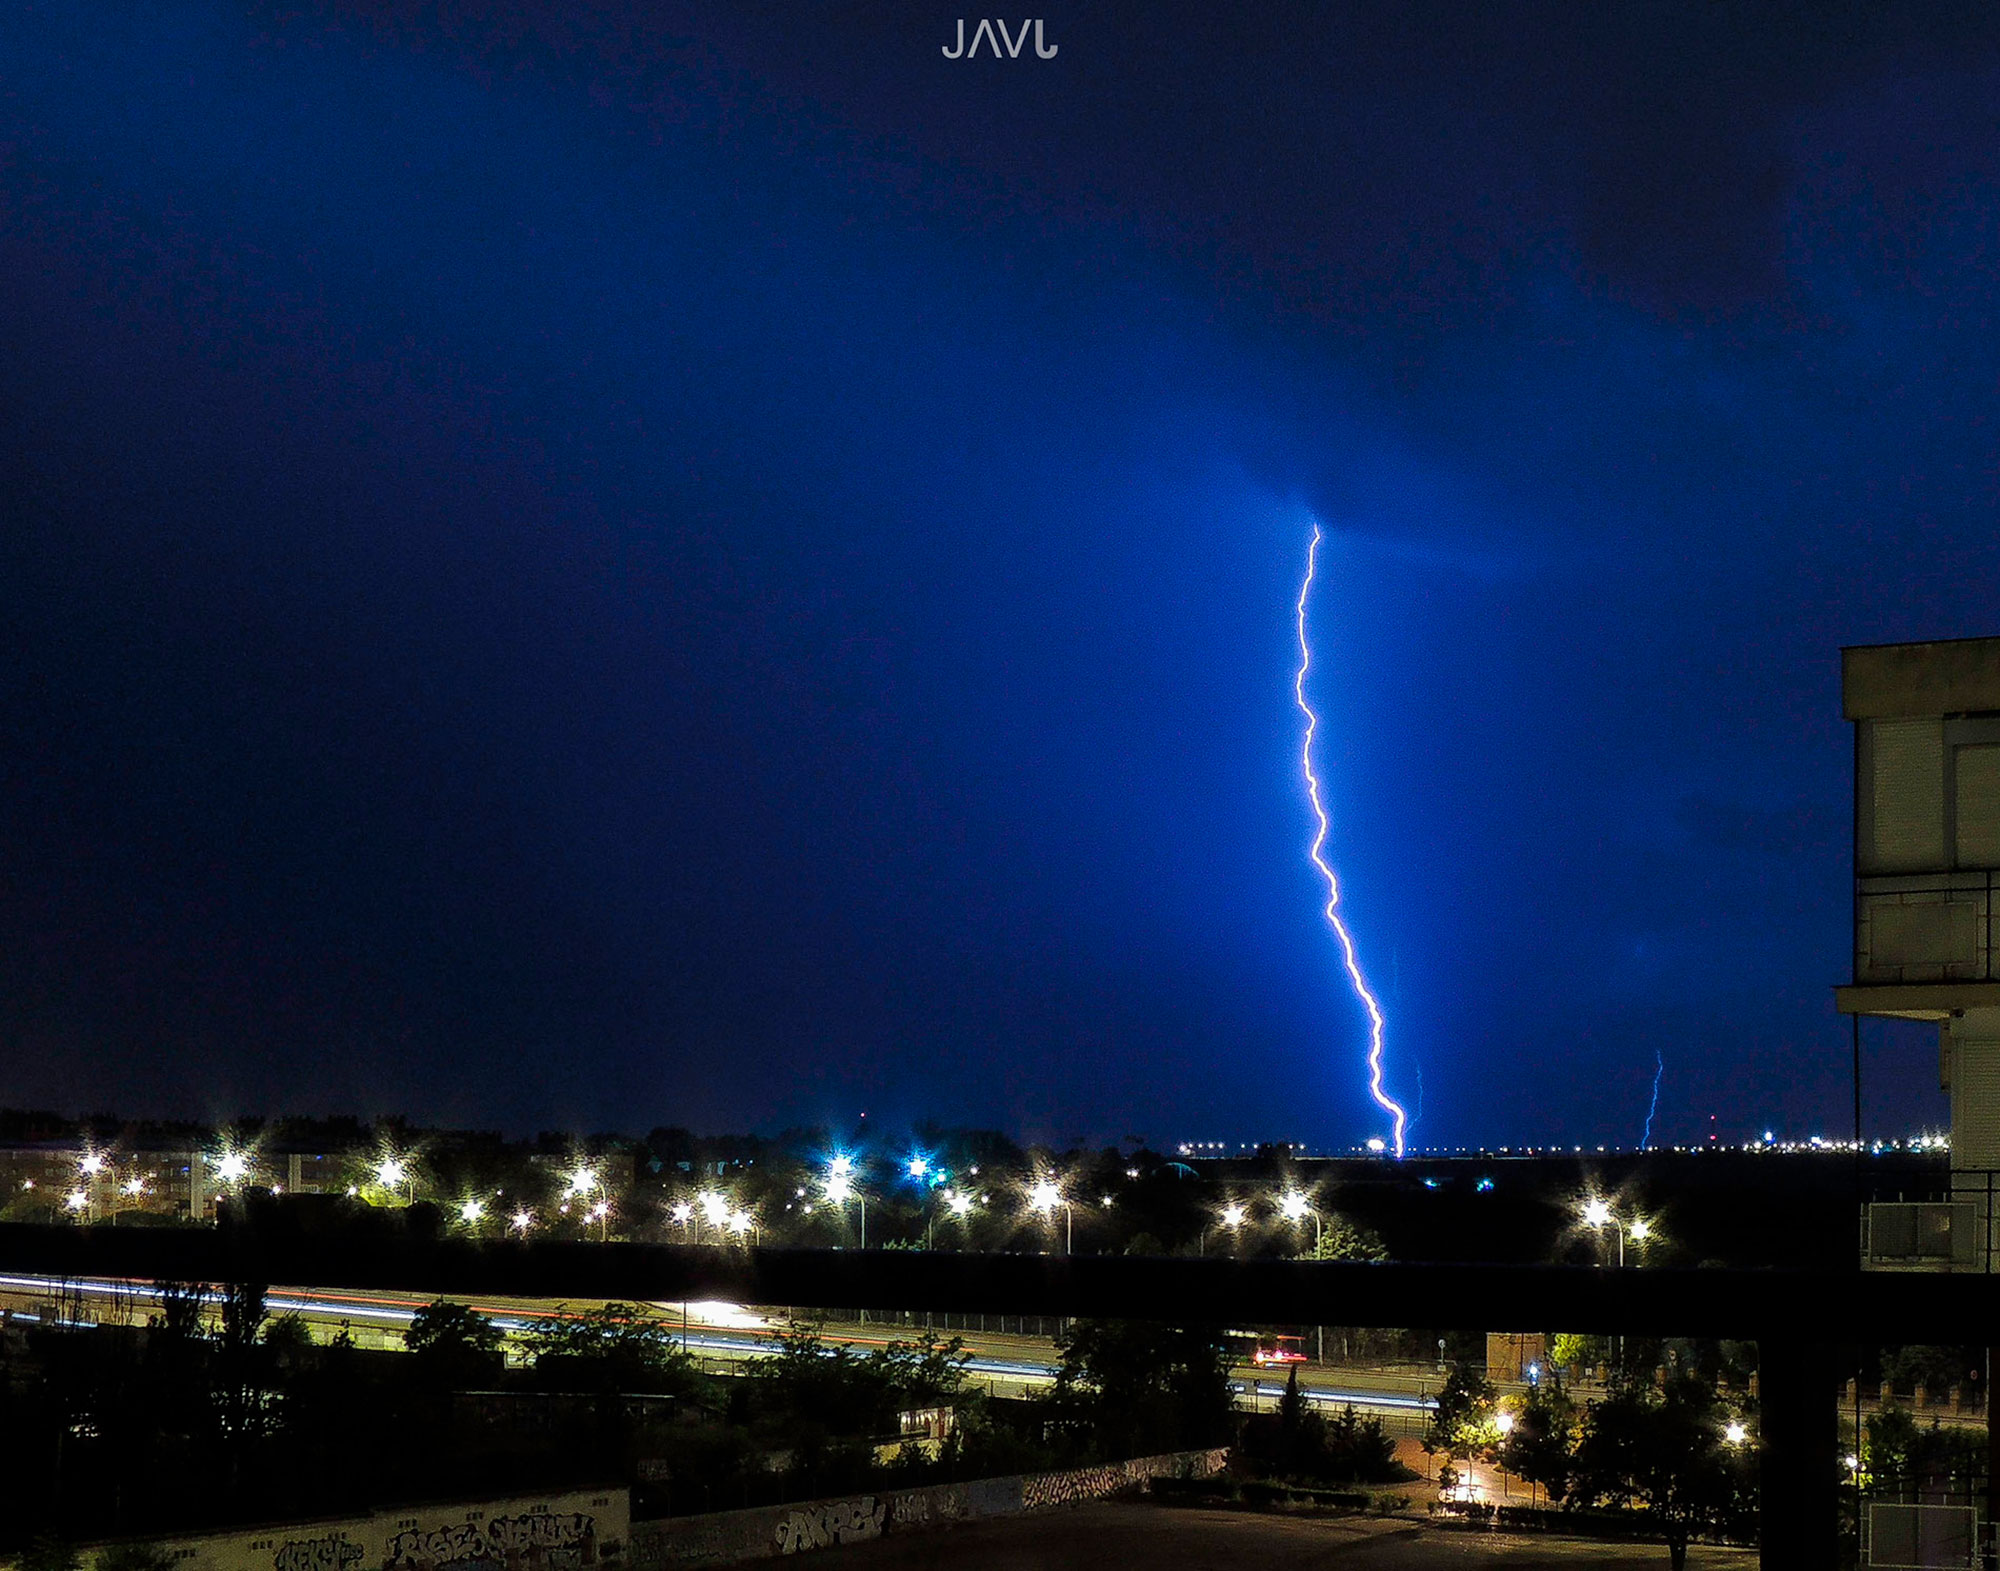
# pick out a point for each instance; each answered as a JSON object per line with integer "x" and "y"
{"x": 471, "y": 1212}
{"x": 1294, "y": 1207}
{"x": 841, "y": 1188}
{"x": 393, "y": 1173}
{"x": 1232, "y": 1216}
{"x": 1597, "y": 1215}
{"x": 521, "y": 1221}
{"x": 1045, "y": 1197}
{"x": 959, "y": 1205}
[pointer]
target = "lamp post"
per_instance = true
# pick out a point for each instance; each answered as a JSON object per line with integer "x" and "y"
{"x": 841, "y": 1188}
{"x": 959, "y": 1205}
{"x": 1294, "y": 1207}
{"x": 1597, "y": 1215}
{"x": 1045, "y": 1197}
{"x": 1231, "y": 1217}
{"x": 394, "y": 1173}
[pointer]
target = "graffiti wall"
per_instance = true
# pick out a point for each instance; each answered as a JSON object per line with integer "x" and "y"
{"x": 726, "y": 1537}
{"x": 581, "y": 1531}
{"x": 1041, "y": 1490}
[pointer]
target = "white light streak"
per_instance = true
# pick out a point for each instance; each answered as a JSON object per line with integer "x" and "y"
{"x": 1361, "y": 989}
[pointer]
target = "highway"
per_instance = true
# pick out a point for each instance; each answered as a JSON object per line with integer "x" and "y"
{"x": 721, "y": 1336}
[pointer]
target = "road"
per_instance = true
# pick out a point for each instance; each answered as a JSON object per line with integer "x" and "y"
{"x": 722, "y": 1336}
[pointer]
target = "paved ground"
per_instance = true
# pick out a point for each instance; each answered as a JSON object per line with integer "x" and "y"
{"x": 1118, "y": 1534}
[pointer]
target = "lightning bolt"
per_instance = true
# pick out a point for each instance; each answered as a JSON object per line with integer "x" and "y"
{"x": 1659, "y": 1070}
{"x": 1361, "y": 989}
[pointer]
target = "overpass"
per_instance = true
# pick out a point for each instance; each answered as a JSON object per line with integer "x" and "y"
{"x": 1801, "y": 1321}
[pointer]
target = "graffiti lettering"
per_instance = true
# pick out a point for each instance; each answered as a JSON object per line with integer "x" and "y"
{"x": 315, "y": 1554}
{"x": 835, "y": 1522}
{"x": 509, "y": 1533}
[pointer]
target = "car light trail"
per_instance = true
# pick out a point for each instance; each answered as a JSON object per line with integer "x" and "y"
{"x": 1659, "y": 1071}
{"x": 1361, "y": 989}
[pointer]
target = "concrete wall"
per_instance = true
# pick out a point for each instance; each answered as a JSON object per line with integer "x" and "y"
{"x": 726, "y": 1537}
{"x": 567, "y": 1532}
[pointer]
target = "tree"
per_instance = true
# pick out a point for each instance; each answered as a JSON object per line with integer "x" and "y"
{"x": 1461, "y": 1423}
{"x": 615, "y": 1347}
{"x": 453, "y": 1345}
{"x": 50, "y": 1553}
{"x": 134, "y": 1557}
{"x": 1572, "y": 1350}
{"x": 1663, "y": 1451}
{"x": 816, "y": 1385}
{"x": 1937, "y": 1369}
{"x": 1538, "y": 1447}
{"x": 1129, "y": 1387}
{"x": 241, "y": 1365}
{"x": 1343, "y": 1238}
{"x": 928, "y": 1372}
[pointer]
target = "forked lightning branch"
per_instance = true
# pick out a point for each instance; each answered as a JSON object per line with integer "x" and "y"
{"x": 1376, "y": 1023}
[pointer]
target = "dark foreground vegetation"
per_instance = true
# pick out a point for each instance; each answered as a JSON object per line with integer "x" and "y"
{"x": 216, "y": 1413}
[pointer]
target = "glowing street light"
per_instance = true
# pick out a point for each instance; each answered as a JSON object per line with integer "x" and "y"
{"x": 1597, "y": 1215}
{"x": 394, "y": 1172}
{"x": 1504, "y": 1422}
{"x": 957, "y": 1202}
{"x": 1045, "y": 1196}
{"x": 841, "y": 1188}
{"x": 232, "y": 1168}
{"x": 76, "y": 1200}
{"x": 1735, "y": 1433}
{"x": 471, "y": 1212}
{"x": 134, "y": 1186}
{"x": 91, "y": 1165}
{"x": 1295, "y": 1208}
{"x": 521, "y": 1221}
{"x": 918, "y": 1168}
{"x": 1231, "y": 1216}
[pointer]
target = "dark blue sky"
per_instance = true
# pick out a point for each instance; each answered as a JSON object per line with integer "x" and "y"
{"x": 608, "y": 564}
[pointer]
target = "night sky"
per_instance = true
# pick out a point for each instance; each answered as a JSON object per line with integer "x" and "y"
{"x": 579, "y": 564}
